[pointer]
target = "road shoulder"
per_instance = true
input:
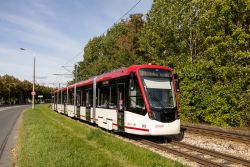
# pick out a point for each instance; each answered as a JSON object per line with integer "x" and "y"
{"x": 8, "y": 158}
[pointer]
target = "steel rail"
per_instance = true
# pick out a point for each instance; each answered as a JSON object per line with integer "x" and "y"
{"x": 213, "y": 153}
{"x": 194, "y": 158}
{"x": 219, "y": 133}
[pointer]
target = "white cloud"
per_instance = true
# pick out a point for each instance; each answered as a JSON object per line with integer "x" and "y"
{"x": 57, "y": 47}
{"x": 40, "y": 34}
{"x": 53, "y": 31}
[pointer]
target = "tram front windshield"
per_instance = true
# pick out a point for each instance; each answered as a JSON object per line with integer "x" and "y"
{"x": 159, "y": 88}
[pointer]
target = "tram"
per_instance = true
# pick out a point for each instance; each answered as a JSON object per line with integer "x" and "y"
{"x": 140, "y": 99}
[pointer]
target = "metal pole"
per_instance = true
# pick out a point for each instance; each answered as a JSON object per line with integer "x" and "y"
{"x": 61, "y": 97}
{"x": 67, "y": 101}
{"x": 76, "y": 74}
{"x": 75, "y": 89}
{"x": 9, "y": 93}
{"x": 94, "y": 99}
{"x": 57, "y": 99}
{"x": 33, "y": 93}
{"x": 33, "y": 89}
{"x": 75, "y": 99}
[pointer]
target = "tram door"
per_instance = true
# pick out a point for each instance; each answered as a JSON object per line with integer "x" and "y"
{"x": 88, "y": 104}
{"x": 64, "y": 103}
{"x": 78, "y": 104}
{"x": 121, "y": 106}
{"x": 54, "y": 102}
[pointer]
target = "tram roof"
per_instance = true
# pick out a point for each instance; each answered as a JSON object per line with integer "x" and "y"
{"x": 113, "y": 74}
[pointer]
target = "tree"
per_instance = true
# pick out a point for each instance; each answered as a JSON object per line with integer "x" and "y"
{"x": 208, "y": 42}
{"x": 14, "y": 91}
{"x": 119, "y": 47}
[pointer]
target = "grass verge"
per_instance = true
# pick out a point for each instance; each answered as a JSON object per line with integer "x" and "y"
{"x": 49, "y": 139}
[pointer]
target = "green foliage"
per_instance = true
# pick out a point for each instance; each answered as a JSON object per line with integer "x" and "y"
{"x": 208, "y": 41}
{"x": 119, "y": 47}
{"x": 14, "y": 91}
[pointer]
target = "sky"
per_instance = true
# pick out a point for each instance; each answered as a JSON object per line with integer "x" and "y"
{"x": 55, "y": 32}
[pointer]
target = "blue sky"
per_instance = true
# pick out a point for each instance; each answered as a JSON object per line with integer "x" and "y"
{"x": 55, "y": 31}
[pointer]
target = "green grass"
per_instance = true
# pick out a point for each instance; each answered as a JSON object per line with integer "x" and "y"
{"x": 49, "y": 139}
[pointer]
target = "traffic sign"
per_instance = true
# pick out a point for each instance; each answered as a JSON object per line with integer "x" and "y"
{"x": 33, "y": 93}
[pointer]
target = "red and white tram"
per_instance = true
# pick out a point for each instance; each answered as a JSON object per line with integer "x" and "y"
{"x": 140, "y": 99}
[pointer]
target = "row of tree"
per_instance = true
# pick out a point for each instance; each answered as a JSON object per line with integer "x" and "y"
{"x": 207, "y": 42}
{"x": 14, "y": 91}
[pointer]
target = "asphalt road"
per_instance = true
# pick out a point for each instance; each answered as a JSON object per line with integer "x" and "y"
{"x": 8, "y": 119}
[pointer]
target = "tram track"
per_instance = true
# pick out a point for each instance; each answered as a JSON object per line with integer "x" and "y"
{"x": 241, "y": 138}
{"x": 200, "y": 155}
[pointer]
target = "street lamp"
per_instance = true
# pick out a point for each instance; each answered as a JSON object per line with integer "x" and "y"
{"x": 33, "y": 93}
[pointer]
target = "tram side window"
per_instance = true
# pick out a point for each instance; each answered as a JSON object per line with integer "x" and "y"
{"x": 59, "y": 98}
{"x": 135, "y": 100}
{"x": 103, "y": 97}
{"x": 78, "y": 98}
{"x": 89, "y": 98}
{"x": 64, "y": 97}
{"x": 83, "y": 100}
{"x": 71, "y": 98}
{"x": 55, "y": 98}
{"x": 113, "y": 97}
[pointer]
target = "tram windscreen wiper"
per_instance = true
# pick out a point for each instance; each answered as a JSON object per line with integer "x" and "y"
{"x": 153, "y": 98}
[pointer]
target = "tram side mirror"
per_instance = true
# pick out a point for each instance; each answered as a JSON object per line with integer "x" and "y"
{"x": 132, "y": 81}
{"x": 177, "y": 86}
{"x": 177, "y": 83}
{"x": 176, "y": 76}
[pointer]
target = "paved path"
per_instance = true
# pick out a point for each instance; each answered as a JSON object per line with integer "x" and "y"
{"x": 8, "y": 119}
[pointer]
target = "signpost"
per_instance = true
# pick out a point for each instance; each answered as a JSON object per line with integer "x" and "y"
{"x": 33, "y": 93}
{"x": 40, "y": 98}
